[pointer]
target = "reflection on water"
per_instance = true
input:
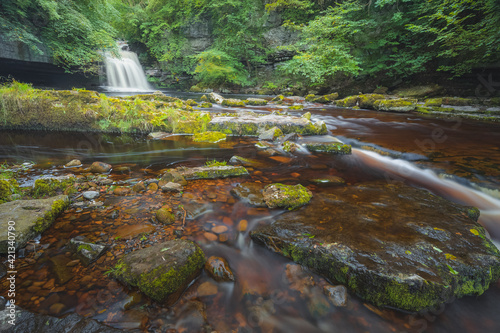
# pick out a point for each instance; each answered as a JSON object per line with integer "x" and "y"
{"x": 266, "y": 297}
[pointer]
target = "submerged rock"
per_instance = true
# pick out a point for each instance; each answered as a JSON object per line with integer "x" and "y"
{"x": 100, "y": 167}
{"x": 86, "y": 252}
{"x": 392, "y": 245}
{"x": 209, "y": 172}
{"x": 250, "y": 193}
{"x": 218, "y": 269}
{"x": 286, "y": 196}
{"x": 31, "y": 217}
{"x": 162, "y": 271}
{"x": 337, "y": 294}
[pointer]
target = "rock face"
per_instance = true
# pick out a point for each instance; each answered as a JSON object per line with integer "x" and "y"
{"x": 31, "y": 217}
{"x": 162, "y": 271}
{"x": 210, "y": 172}
{"x": 392, "y": 245}
{"x": 252, "y": 124}
{"x": 286, "y": 196}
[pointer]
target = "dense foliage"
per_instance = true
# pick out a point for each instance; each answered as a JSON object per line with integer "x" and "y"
{"x": 74, "y": 31}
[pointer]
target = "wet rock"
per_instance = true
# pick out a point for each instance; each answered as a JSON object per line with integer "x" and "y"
{"x": 172, "y": 187}
{"x": 210, "y": 172}
{"x": 218, "y": 269}
{"x": 328, "y": 147}
{"x": 31, "y": 217}
{"x": 325, "y": 99}
{"x": 73, "y": 163}
{"x": 100, "y": 167}
{"x": 395, "y": 105}
{"x": 153, "y": 187}
{"x": 242, "y": 226}
{"x": 392, "y": 245}
{"x": 207, "y": 289}
{"x": 336, "y": 294}
{"x": 271, "y": 134}
{"x": 163, "y": 270}
{"x": 215, "y": 98}
{"x": 219, "y": 229}
{"x": 191, "y": 317}
{"x": 56, "y": 309}
{"x": 328, "y": 180}
{"x": 209, "y": 136}
{"x": 250, "y": 193}
{"x": 86, "y": 252}
{"x": 122, "y": 190}
{"x": 164, "y": 215}
{"x": 90, "y": 195}
{"x": 291, "y": 137}
{"x": 248, "y": 162}
{"x": 173, "y": 176}
{"x": 139, "y": 187}
{"x": 132, "y": 231}
{"x": 256, "y": 101}
{"x": 232, "y": 102}
{"x": 252, "y": 124}
{"x": 286, "y": 196}
{"x": 290, "y": 147}
{"x": 210, "y": 236}
{"x": 60, "y": 269}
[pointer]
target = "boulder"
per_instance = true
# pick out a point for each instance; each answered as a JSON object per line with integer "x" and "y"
{"x": 271, "y": 134}
{"x": 209, "y": 136}
{"x": 164, "y": 215}
{"x": 100, "y": 167}
{"x": 233, "y": 102}
{"x": 325, "y": 99}
{"x": 90, "y": 195}
{"x": 73, "y": 163}
{"x": 172, "y": 187}
{"x": 256, "y": 101}
{"x": 395, "y": 105}
{"x": 390, "y": 244}
{"x": 210, "y": 172}
{"x": 250, "y": 193}
{"x": 163, "y": 270}
{"x": 215, "y": 98}
{"x": 173, "y": 176}
{"x": 286, "y": 196}
{"x": 31, "y": 217}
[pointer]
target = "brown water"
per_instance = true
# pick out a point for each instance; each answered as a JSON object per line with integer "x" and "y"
{"x": 263, "y": 298}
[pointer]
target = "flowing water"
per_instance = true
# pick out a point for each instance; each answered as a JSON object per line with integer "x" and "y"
{"x": 124, "y": 72}
{"x": 455, "y": 159}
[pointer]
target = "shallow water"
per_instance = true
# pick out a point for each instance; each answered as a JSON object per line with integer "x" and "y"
{"x": 391, "y": 147}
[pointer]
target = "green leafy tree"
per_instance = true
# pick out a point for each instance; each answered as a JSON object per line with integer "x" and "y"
{"x": 217, "y": 68}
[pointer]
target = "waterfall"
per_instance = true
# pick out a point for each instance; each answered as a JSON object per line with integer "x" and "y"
{"x": 125, "y": 73}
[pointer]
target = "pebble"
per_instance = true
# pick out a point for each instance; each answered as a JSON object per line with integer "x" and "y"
{"x": 210, "y": 236}
{"x": 219, "y": 229}
{"x": 242, "y": 225}
{"x": 73, "y": 163}
{"x": 90, "y": 195}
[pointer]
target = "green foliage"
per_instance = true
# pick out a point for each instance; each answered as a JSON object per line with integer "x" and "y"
{"x": 217, "y": 68}
{"x": 74, "y": 31}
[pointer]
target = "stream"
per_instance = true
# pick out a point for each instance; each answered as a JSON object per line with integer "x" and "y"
{"x": 452, "y": 158}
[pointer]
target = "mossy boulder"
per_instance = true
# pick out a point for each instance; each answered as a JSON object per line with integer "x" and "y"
{"x": 215, "y": 98}
{"x": 256, "y": 101}
{"x": 191, "y": 102}
{"x": 395, "y": 105}
{"x": 271, "y": 134}
{"x": 367, "y": 101}
{"x": 433, "y": 102}
{"x": 310, "y": 97}
{"x": 210, "y": 172}
{"x": 195, "y": 89}
{"x": 206, "y": 105}
{"x": 174, "y": 177}
{"x": 325, "y": 99}
{"x": 420, "y": 91}
{"x": 164, "y": 215}
{"x": 347, "y": 102}
{"x": 329, "y": 147}
{"x": 44, "y": 187}
{"x": 289, "y": 146}
{"x": 278, "y": 98}
{"x": 416, "y": 251}
{"x": 210, "y": 136}
{"x": 307, "y": 115}
{"x": 232, "y": 102}
{"x": 296, "y": 107}
{"x": 286, "y": 196}
{"x": 31, "y": 217}
{"x": 7, "y": 188}
{"x": 162, "y": 271}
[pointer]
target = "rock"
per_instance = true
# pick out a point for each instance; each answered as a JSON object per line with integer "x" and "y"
{"x": 242, "y": 226}
{"x": 250, "y": 193}
{"x": 252, "y": 124}
{"x": 271, "y": 134}
{"x": 139, "y": 187}
{"x": 164, "y": 215}
{"x": 100, "y": 167}
{"x": 381, "y": 90}
{"x": 219, "y": 229}
{"x": 215, "y": 98}
{"x": 7, "y": 189}
{"x": 367, "y": 101}
{"x": 415, "y": 251}
{"x": 209, "y": 172}
{"x": 173, "y": 176}
{"x": 195, "y": 89}
{"x": 31, "y": 217}
{"x": 347, "y": 102}
{"x": 59, "y": 267}
{"x": 210, "y": 236}
{"x": 218, "y": 269}
{"x": 395, "y": 105}
{"x": 207, "y": 289}
{"x": 122, "y": 191}
{"x": 172, "y": 187}
{"x": 286, "y": 196}
{"x": 158, "y": 135}
{"x": 307, "y": 115}
{"x": 420, "y": 91}
{"x": 296, "y": 107}
{"x": 163, "y": 270}
{"x": 256, "y": 101}
{"x": 90, "y": 195}
{"x": 336, "y": 294}
{"x": 328, "y": 147}
{"x": 191, "y": 317}
{"x": 328, "y": 180}
{"x": 233, "y": 102}
{"x": 248, "y": 162}
{"x": 212, "y": 137}
{"x": 290, "y": 147}
{"x": 86, "y": 252}
{"x": 204, "y": 98}
{"x": 153, "y": 187}
{"x": 278, "y": 98}
{"x": 132, "y": 231}
{"x": 206, "y": 105}
{"x": 325, "y": 99}
{"x": 56, "y": 308}
{"x": 73, "y": 163}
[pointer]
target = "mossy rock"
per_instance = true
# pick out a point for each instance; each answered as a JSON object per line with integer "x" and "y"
{"x": 329, "y": 147}
{"x": 347, "y": 102}
{"x": 286, "y": 196}
{"x": 434, "y": 102}
{"x": 420, "y": 91}
{"x": 256, "y": 101}
{"x": 416, "y": 252}
{"x": 206, "y": 105}
{"x": 164, "y": 215}
{"x": 212, "y": 137}
{"x": 44, "y": 187}
{"x": 204, "y": 98}
{"x": 191, "y": 102}
{"x": 307, "y": 115}
{"x": 289, "y": 147}
{"x": 271, "y": 134}
{"x": 86, "y": 252}
{"x": 296, "y": 107}
{"x": 232, "y": 102}
{"x": 310, "y": 97}
{"x": 195, "y": 89}
{"x": 325, "y": 99}
{"x": 395, "y": 105}
{"x": 162, "y": 271}
{"x": 278, "y": 98}
{"x": 210, "y": 172}
{"x": 367, "y": 101}
{"x": 7, "y": 188}
{"x": 457, "y": 101}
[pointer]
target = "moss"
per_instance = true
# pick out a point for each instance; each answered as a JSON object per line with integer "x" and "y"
{"x": 50, "y": 187}
{"x": 165, "y": 216}
{"x": 220, "y": 172}
{"x": 256, "y": 101}
{"x": 325, "y": 99}
{"x": 289, "y": 147}
{"x": 396, "y": 105}
{"x": 310, "y": 97}
{"x": 7, "y": 188}
{"x": 84, "y": 247}
{"x": 423, "y": 109}
{"x": 307, "y": 115}
{"x": 473, "y": 213}
{"x": 195, "y": 89}
{"x": 367, "y": 101}
{"x": 232, "y": 102}
{"x": 457, "y": 101}
{"x": 206, "y": 105}
{"x": 286, "y": 196}
{"x": 347, "y": 102}
{"x": 331, "y": 147}
{"x": 278, "y": 98}
{"x": 212, "y": 137}
{"x": 44, "y": 222}
{"x": 434, "y": 102}
{"x": 296, "y": 107}
{"x": 191, "y": 102}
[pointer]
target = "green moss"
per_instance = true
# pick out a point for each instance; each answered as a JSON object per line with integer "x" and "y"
{"x": 7, "y": 188}
{"x": 256, "y": 101}
{"x": 310, "y": 97}
{"x": 457, "y": 101}
{"x": 396, "y": 105}
{"x": 434, "y": 102}
{"x": 367, "y": 101}
{"x": 331, "y": 147}
{"x": 206, "y": 105}
{"x": 278, "y": 98}
{"x": 307, "y": 115}
{"x": 195, "y": 89}
{"x": 221, "y": 172}
{"x": 289, "y": 147}
{"x": 286, "y": 196}
{"x": 42, "y": 223}
{"x": 50, "y": 187}
{"x": 347, "y": 102}
{"x": 84, "y": 247}
{"x": 165, "y": 216}
{"x": 214, "y": 163}
{"x": 212, "y": 137}
{"x": 296, "y": 107}
{"x": 423, "y": 109}
{"x": 232, "y": 102}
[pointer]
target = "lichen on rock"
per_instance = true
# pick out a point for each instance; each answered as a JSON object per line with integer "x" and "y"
{"x": 286, "y": 196}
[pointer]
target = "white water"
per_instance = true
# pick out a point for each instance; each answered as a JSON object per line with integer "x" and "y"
{"x": 396, "y": 169}
{"x": 125, "y": 73}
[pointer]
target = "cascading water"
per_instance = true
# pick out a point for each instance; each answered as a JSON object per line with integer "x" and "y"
{"x": 125, "y": 73}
